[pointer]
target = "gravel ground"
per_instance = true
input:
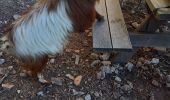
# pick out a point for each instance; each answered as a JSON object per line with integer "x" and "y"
{"x": 145, "y": 77}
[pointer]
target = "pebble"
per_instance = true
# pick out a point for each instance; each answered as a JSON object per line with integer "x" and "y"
{"x": 135, "y": 24}
{"x": 87, "y": 97}
{"x": 155, "y": 83}
{"x": 129, "y": 66}
{"x": 118, "y": 79}
{"x": 10, "y": 67}
{"x": 96, "y": 94}
{"x": 155, "y": 61}
{"x": 40, "y": 93}
{"x": 123, "y": 98}
{"x": 1, "y": 54}
{"x": 18, "y": 91}
{"x": 80, "y": 98}
{"x": 23, "y": 74}
{"x": 94, "y": 63}
{"x": 52, "y": 61}
{"x": 70, "y": 76}
{"x": 106, "y": 69}
{"x": 105, "y": 56}
{"x": 77, "y": 59}
{"x": 126, "y": 88}
{"x": 168, "y": 78}
{"x": 101, "y": 75}
{"x": 2, "y": 61}
{"x": 2, "y": 71}
{"x": 112, "y": 69}
{"x": 94, "y": 55}
{"x": 7, "y": 85}
{"x": 105, "y": 63}
{"x": 16, "y": 16}
{"x": 57, "y": 81}
{"x": 152, "y": 97}
{"x": 168, "y": 85}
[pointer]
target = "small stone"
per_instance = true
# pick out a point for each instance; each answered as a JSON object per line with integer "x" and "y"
{"x": 94, "y": 63}
{"x": 126, "y": 88}
{"x": 105, "y": 63}
{"x": 152, "y": 97}
{"x": 116, "y": 71}
{"x": 70, "y": 76}
{"x": 77, "y": 80}
{"x": 117, "y": 79}
{"x": 94, "y": 55}
{"x": 96, "y": 94}
{"x": 52, "y": 61}
{"x": 112, "y": 69}
{"x": 155, "y": 61}
{"x": 40, "y": 93}
{"x": 155, "y": 83}
{"x": 106, "y": 69}
{"x": 101, "y": 75}
{"x": 7, "y": 85}
{"x": 74, "y": 92}
{"x": 10, "y": 67}
{"x": 168, "y": 78}
{"x": 41, "y": 78}
{"x": 23, "y": 74}
{"x": 1, "y": 54}
{"x": 88, "y": 97}
{"x": 57, "y": 81}
{"x": 129, "y": 66}
{"x": 90, "y": 34}
{"x": 77, "y": 51}
{"x": 135, "y": 24}
{"x": 105, "y": 56}
{"x": 123, "y": 98}
{"x": 2, "y": 71}
{"x": 79, "y": 99}
{"x": 2, "y": 61}
{"x": 18, "y": 91}
{"x": 16, "y": 16}
{"x": 168, "y": 85}
{"x": 116, "y": 95}
{"x": 77, "y": 59}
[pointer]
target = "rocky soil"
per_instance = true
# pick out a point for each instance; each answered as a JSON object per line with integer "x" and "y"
{"x": 79, "y": 73}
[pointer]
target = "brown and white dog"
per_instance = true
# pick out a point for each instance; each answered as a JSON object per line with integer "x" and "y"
{"x": 44, "y": 28}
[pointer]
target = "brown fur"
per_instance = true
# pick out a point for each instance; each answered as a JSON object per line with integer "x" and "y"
{"x": 81, "y": 12}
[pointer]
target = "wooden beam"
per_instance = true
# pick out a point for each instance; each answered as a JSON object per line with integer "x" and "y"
{"x": 155, "y": 4}
{"x": 118, "y": 30}
{"x": 163, "y": 14}
{"x": 101, "y": 34}
{"x": 150, "y": 40}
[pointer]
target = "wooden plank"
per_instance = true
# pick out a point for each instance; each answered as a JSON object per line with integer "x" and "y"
{"x": 155, "y": 4}
{"x": 150, "y": 39}
{"x": 118, "y": 30}
{"x": 101, "y": 34}
{"x": 163, "y": 14}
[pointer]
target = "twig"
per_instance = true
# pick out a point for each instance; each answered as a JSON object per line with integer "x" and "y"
{"x": 6, "y": 75}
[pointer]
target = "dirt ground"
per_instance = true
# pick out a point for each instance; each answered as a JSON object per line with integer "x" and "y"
{"x": 143, "y": 78}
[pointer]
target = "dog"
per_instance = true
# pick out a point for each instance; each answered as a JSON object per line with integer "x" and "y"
{"x": 44, "y": 29}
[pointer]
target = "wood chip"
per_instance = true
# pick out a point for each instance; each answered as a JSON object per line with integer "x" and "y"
{"x": 7, "y": 86}
{"x": 77, "y": 80}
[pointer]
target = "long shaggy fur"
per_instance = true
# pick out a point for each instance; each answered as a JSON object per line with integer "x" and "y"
{"x": 44, "y": 28}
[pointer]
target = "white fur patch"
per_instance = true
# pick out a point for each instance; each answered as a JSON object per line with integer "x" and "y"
{"x": 43, "y": 33}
